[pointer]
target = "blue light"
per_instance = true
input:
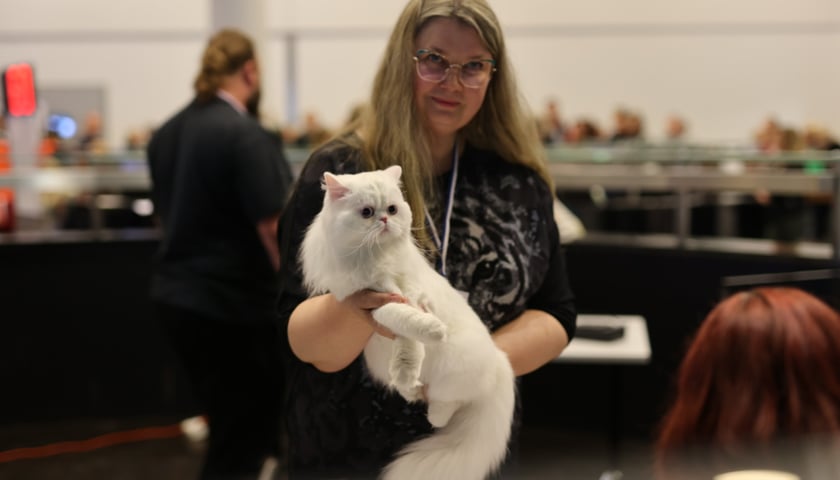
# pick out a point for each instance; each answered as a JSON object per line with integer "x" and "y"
{"x": 63, "y": 125}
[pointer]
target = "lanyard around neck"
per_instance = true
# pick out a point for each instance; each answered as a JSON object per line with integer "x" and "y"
{"x": 442, "y": 240}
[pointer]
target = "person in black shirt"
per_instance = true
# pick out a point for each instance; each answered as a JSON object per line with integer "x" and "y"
{"x": 219, "y": 182}
{"x": 444, "y": 107}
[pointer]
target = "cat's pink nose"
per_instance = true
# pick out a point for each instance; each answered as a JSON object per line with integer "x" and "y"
{"x": 384, "y": 219}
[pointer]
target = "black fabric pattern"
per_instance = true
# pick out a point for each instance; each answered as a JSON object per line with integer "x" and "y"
{"x": 499, "y": 243}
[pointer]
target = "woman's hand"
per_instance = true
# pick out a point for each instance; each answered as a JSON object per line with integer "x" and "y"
{"x": 330, "y": 334}
{"x": 367, "y": 301}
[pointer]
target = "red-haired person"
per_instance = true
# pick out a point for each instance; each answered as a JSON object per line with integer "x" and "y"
{"x": 759, "y": 388}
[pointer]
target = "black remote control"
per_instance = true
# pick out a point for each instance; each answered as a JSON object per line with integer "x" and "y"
{"x": 600, "y": 332}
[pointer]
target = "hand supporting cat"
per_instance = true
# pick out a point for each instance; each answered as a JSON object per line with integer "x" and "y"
{"x": 409, "y": 321}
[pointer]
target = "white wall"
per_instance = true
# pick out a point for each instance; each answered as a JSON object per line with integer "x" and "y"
{"x": 724, "y": 65}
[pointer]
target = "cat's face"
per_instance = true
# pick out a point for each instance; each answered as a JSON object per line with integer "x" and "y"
{"x": 367, "y": 209}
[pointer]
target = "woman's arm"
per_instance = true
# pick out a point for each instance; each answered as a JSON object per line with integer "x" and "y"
{"x": 330, "y": 334}
{"x": 531, "y": 340}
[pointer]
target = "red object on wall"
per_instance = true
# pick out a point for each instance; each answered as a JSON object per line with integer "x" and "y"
{"x": 19, "y": 90}
{"x": 7, "y": 210}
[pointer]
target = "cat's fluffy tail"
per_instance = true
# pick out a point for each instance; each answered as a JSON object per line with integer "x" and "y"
{"x": 471, "y": 446}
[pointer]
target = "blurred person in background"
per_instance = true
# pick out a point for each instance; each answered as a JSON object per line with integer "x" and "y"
{"x": 818, "y": 137}
{"x": 219, "y": 182}
{"x": 628, "y": 126}
{"x": 675, "y": 129}
{"x": 635, "y": 127}
{"x": 768, "y": 135}
{"x": 551, "y": 124}
{"x": 92, "y": 142}
{"x": 137, "y": 139}
{"x": 313, "y": 133}
{"x": 786, "y": 216}
{"x": 759, "y": 388}
{"x": 581, "y": 132}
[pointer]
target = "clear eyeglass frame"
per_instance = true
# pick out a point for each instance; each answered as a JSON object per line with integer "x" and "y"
{"x": 423, "y": 56}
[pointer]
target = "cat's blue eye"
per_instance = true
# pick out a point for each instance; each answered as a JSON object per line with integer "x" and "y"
{"x": 367, "y": 212}
{"x": 392, "y": 209}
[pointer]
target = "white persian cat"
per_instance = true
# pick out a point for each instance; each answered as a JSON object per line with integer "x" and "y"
{"x": 362, "y": 239}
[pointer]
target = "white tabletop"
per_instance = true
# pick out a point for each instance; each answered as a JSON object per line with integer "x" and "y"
{"x": 632, "y": 348}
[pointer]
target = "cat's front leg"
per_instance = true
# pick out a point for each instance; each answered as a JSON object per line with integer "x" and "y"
{"x": 406, "y": 362}
{"x": 408, "y": 321}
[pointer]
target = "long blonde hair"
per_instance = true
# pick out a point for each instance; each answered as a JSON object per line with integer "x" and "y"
{"x": 393, "y": 132}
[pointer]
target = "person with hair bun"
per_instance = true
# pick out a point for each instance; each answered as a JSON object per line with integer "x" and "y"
{"x": 219, "y": 182}
{"x": 759, "y": 388}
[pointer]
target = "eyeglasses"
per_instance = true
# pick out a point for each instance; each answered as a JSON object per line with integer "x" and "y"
{"x": 434, "y": 67}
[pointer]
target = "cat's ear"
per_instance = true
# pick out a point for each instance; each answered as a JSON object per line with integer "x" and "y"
{"x": 333, "y": 187}
{"x": 395, "y": 171}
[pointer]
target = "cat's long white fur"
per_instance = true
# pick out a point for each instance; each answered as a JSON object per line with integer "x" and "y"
{"x": 470, "y": 385}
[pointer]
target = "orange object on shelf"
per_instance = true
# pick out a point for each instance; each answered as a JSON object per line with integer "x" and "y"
{"x": 7, "y": 210}
{"x": 5, "y": 158}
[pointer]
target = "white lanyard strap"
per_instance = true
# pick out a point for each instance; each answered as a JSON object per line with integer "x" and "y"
{"x": 442, "y": 241}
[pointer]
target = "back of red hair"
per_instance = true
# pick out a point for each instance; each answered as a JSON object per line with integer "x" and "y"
{"x": 764, "y": 366}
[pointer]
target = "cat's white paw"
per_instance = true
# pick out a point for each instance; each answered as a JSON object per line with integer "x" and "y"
{"x": 405, "y": 374}
{"x": 432, "y": 330}
{"x": 435, "y": 331}
{"x": 405, "y": 320}
{"x": 411, "y": 394}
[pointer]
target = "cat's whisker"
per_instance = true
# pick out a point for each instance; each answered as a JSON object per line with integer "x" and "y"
{"x": 358, "y": 248}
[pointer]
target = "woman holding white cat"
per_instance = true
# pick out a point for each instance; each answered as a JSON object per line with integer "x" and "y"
{"x": 445, "y": 108}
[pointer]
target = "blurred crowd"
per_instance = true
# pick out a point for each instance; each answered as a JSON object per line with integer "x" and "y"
{"x": 628, "y": 125}
{"x": 773, "y": 136}
{"x": 85, "y": 143}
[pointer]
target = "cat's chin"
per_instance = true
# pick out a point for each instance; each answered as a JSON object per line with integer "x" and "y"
{"x": 388, "y": 235}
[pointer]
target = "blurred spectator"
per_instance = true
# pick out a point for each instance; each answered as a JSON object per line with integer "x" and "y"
{"x": 675, "y": 128}
{"x": 786, "y": 216}
{"x": 817, "y": 137}
{"x": 49, "y": 149}
{"x": 767, "y": 138}
{"x": 635, "y": 127}
{"x": 582, "y": 131}
{"x": 91, "y": 141}
{"x": 758, "y": 387}
{"x": 137, "y": 139}
{"x": 628, "y": 125}
{"x": 313, "y": 134}
{"x": 550, "y": 124}
{"x": 789, "y": 140}
{"x": 620, "y": 122}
